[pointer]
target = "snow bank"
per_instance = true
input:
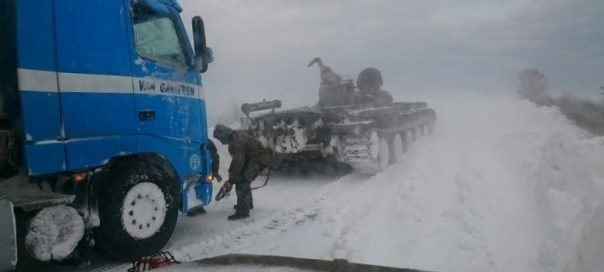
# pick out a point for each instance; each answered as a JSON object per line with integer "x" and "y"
{"x": 561, "y": 170}
{"x": 567, "y": 176}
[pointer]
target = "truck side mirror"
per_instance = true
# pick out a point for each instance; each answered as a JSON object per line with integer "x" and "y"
{"x": 203, "y": 54}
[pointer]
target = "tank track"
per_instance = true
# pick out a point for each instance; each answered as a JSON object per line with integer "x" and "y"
{"x": 365, "y": 152}
{"x": 357, "y": 151}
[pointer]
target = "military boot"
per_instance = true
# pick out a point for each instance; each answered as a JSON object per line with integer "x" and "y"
{"x": 238, "y": 216}
{"x": 251, "y": 206}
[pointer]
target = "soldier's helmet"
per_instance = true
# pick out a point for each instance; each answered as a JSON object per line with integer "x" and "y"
{"x": 222, "y": 133}
{"x": 369, "y": 80}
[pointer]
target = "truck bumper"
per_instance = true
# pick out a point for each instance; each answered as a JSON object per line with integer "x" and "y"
{"x": 8, "y": 236}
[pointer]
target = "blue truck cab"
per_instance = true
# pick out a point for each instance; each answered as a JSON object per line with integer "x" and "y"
{"x": 103, "y": 112}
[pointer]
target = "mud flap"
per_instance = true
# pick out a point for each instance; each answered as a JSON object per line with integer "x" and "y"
{"x": 8, "y": 237}
{"x": 196, "y": 195}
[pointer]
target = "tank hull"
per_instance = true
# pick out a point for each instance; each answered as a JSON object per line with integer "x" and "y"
{"x": 366, "y": 137}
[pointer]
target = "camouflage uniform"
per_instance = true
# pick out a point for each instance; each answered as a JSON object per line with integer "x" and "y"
{"x": 383, "y": 97}
{"x": 248, "y": 159}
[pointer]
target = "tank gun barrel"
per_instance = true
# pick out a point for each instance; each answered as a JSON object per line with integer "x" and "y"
{"x": 247, "y": 108}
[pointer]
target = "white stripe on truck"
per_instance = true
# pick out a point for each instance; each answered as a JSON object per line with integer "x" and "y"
{"x": 37, "y": 81}
{"x": 91, "y": 83}
{"x": 45, "y": 81}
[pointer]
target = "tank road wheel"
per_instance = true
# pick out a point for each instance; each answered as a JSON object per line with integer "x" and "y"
{"x": 374, "y": 145}
{"x": 380, "y": 150}
{"x": 430, "y": 128}
{"x": 385, "y": 152}
{"x": 399, "y": 145}
{"x": 393, "y": 154}
{"x": 138, "y": 210}
{"x": 405, "y": 138}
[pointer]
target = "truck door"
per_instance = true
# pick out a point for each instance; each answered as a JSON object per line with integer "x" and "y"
{"x": 95, "y": 81}
{"x": 41, "y": 130}
{"x": 167, "y": 88}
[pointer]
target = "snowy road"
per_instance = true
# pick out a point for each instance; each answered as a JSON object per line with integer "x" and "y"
{"x": 500, "y": 186}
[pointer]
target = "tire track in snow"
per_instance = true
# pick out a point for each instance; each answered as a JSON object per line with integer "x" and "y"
{"x": 472, "y": 241}
{"x": 377, "y": 207}
{"x": 236, "y": 240}
{"x": 343, "y": 223}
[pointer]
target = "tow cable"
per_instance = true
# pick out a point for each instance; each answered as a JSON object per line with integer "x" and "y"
{"x": 268, "y": 176}
{"x": 222, "y": 193}
{"x": 270, "y": 171}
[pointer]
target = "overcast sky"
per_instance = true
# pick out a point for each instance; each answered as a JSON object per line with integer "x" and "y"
{"x": 262, "y": 47}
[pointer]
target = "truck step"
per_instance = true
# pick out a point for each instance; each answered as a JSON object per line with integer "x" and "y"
{"x": 30, "y": 196}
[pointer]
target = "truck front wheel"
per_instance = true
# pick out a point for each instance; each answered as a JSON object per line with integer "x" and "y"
{"x": 138, "y": 208}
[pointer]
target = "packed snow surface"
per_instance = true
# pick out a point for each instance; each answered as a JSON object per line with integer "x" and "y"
{"x": 501, "y": 185}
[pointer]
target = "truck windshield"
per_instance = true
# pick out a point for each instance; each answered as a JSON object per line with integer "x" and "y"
{"x": 155, "y": 38}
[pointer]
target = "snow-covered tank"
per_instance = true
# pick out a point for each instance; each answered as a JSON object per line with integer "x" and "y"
{"x": 356, "y": 131}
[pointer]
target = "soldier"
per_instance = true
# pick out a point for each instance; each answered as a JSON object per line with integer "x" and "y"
{"x": 248, "y": 158}
{"x": 369, "y": 83}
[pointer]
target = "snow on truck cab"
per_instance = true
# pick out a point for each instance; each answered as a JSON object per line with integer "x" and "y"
{"x": 102, "y": 126}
